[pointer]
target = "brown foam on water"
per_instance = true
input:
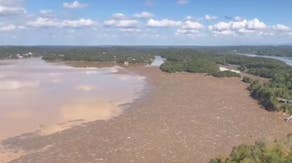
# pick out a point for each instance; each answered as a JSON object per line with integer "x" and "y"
{"x": 80, "y": 111}
{"x": 6, "y": 156}
{"x": 72, "y": 114}
{"x": 89, "y": 110}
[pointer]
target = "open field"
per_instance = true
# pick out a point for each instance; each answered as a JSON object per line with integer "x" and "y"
{"x": 182, "y": 117}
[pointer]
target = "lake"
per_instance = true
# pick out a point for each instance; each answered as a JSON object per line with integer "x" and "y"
{"x": 46, "y": 97}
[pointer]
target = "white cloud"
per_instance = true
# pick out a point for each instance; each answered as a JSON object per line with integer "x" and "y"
{"x": 221, "y": 26}
{"x": 78, "y": 23}
{"x": 130, "y": 29}
{"x": 45, "y": 12}
{"x": 6, "y": 28}
{"x": 124, "y": 23}
{"x": 182, "y": 2}
{"x": 74, "y": 5}
{"x": 11, "y": 10}
{"x": 163, "y": 23}
{"x": 189, "y": 24}
{"x": 267, "y": 33}
{"x": 239, "y": 26}
{"x": 189, "y": 18}
{"x": 238, "y": 18}
{"x": 189, "y": 28}
{"x": 10, "y": 2}
{"x": 144, "y": 15}
{"x": 225, "y": 33}
{"x": 187, "y": 32}
{"x": 11, "y": 27}
{"x": 42, "y": 22}
{"x": 119, "y": 16}
{"x": 210, "y": 17}
{"x": 256, "y": 24}
{"x": 281, "y": 27}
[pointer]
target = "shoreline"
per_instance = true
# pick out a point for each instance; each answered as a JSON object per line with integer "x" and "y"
{"x": 182, "y": 117}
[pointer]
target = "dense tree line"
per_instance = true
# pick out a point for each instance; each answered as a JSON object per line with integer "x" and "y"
{"x": 178, "y": 60}
{"x": 276, "y": 94}
{"x": 82, "y": 53}
{"x": 107, "y": 54}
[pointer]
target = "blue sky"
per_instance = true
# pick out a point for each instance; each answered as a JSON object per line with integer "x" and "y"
{"x": 145, "y": 22}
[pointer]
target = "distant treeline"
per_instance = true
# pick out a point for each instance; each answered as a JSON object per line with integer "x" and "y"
{"x": 6, "y": 51}
{"x": 82, "y": 53}
{"x": 109, "y": 54}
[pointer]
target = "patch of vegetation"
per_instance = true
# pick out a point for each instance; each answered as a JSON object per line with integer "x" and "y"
{"x": 223, "y": 74}
{"x": 260, "y": 152}
{"x": 188, "y": 61}
{"x": 247, "y": 79}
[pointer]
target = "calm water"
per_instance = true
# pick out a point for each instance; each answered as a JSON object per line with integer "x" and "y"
{"x": 287, "y": 60}
{"x": 49, "y": 97}
{"x": 157, "y": 62}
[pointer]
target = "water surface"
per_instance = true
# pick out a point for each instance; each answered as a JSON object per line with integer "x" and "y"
{"x": 287, "y": 60}
{"x": 35, "y": 95}
{"x": 157, "y": 62}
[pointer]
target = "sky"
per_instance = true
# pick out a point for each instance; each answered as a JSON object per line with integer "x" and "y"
{"x": 145, "y": 22}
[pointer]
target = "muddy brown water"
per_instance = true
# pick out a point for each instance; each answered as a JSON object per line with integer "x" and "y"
{"x": 35, "y": 95}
